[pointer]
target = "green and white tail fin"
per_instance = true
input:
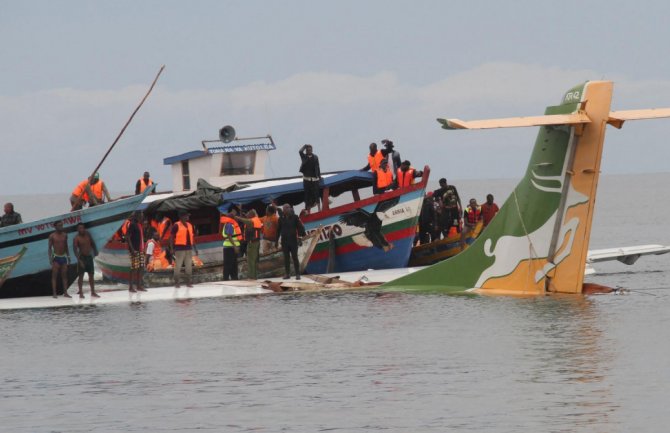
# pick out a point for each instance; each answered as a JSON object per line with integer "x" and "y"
{"x": 539, "y": 240}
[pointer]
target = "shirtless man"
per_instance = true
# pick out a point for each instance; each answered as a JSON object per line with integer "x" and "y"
{"x": 59, "y": 257}
{"x": 84, "y": 249}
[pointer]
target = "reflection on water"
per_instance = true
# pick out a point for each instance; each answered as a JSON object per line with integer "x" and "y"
{"x": 353, "y": 362}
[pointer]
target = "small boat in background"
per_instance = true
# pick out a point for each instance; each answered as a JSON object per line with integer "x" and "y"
{"x": 436, "y": 251}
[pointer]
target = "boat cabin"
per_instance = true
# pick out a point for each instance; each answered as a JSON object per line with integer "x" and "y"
{"x": 220, "y": 166}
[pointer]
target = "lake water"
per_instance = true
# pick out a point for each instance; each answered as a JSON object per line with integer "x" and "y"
{"x": 362, "y": 362}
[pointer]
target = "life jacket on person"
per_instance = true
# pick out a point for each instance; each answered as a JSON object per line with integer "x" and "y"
{"x": 384, "y": 178}
{"x": 237, "y": 233}
{"x": 80, "y": 190}
{"x": 375, "y": 161}
{"x": 124, "y": 227}
{"x": 163, "y": 226}
{"x": 143, "y": 185}
{"x": 472, "y": 216}
{"x": 405, "y": 178}
{"x": 96, "y": 189}
{"x": 256, "y": 230}
{"x": 155, "y": 225}
{"x": 270, "y": 226}
{"x": 158, "y": 260}
{"x": 184, "y": 230}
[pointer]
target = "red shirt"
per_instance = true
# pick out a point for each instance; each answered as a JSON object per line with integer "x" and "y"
{"x": 488, "y": 212}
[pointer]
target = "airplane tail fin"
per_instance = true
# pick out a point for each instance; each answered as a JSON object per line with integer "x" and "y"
{"x": 539, "y": 240}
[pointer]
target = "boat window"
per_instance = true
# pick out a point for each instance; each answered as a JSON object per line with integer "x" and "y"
{"x": 185, "y": 176}
{"x": 238, "y": 163}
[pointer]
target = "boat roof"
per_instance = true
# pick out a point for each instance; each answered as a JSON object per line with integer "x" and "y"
{"x": 235, "y": 148}
{"x": 290, "y": 189}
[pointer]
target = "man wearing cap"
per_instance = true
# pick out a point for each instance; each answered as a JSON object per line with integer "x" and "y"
{"x": 91, "y": 190}
{"x": 394, "y": 162}
{"x": 143, "y": 183}
{"x": 182, "y": 243}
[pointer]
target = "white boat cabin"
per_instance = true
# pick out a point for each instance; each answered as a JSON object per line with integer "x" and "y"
{"x": 221, "y": 166}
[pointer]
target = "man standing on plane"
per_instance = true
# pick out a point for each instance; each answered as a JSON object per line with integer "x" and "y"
{"x": 59, "y": 257}
{"x": 135, "y": 241}
{"x": 471, "y": 216}
{"x": 84, "y": 249}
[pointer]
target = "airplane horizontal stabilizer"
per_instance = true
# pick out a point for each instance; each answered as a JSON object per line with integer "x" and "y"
{"x": 517, "y": 122}
{"x": 616, "y": 118}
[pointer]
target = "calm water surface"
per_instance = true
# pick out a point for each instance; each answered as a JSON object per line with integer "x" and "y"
{"x": 360, "y": 362}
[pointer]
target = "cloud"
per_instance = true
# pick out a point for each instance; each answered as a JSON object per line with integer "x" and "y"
{"x": 64, "y": 132}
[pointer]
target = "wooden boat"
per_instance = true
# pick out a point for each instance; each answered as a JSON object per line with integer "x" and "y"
{"x": 32, "y": 274}
{"x": 436, "y": 251}
{"x": 270, "y": 265}
{"x": 376, "y": 232}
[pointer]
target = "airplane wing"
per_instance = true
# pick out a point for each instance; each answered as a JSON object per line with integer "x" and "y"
{"x": 516, "y": 122}
{"x": 627, "y": 255}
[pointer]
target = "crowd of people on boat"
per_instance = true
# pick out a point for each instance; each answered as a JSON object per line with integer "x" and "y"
{"x": 247, "y": 233}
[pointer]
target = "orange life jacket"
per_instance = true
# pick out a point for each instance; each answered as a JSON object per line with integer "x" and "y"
{"x": 124, "y": 227}
{"x": 182, "y": 232}
{"x": 237, "y": 233}
{"x": 375, "y": 161}
{"x": 472, "y": 216}
{"x": 96, "y": 188}
{"x": 405, "y": 178}
{"x": 258, "y": 228}
{"x": 384, "y": 178}
{"x": 155, "y": 225}
{"x": 163, "y": 228}
{"x": 143, "y": 185}
{"x": 270, "y": 225}
{"x": 80, "y": 190}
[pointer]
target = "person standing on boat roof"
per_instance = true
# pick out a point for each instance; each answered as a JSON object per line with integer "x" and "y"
{"x": 289, "y": 229}
{"x": 10, "y": 218}
{"x": 252, "y": 233}
{"x": 59, "y": 258}
{"x": 92, "y": 190}
{"x": 311, "y": 176}
{"x": 382, "y": 178}
{"x": 231, "y": 232}
{"x": 182, "y": 243}
{"x": 84, "y": 249}
{"x": 489, "y": 209}
{"x": 406, "y": 174}
{"x": 394, "y": 163}
{"x": 374, "y": 158}
{"x": 143, "y": 183}
{"x": 135, "y": 243}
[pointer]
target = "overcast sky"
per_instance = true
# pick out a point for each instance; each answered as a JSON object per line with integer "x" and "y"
{"x": 336, "y": 74}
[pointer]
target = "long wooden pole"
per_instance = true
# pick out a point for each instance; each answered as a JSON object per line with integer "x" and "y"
{"x": 130, "y": 119}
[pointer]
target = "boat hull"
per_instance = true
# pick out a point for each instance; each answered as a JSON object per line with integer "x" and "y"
{"x": 114, "y": 263}
{"x": 32, "y": 274}
{"x": 433, "y": 252}
{"x": 345, "y": 248}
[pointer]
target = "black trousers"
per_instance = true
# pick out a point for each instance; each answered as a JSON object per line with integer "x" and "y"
{"x": 290, "y": 249}
{"x": 229, "y": 264}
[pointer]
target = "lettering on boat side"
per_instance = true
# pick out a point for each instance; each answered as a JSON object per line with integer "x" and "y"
{"x": 335, "y": 229}
{"x": 68, "y": 221}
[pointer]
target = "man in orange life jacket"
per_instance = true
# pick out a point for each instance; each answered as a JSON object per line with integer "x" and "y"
{"x": 382, "y": 178}
{"x": 231, "y": 233}
{"x": 143, "y": 183}
{"x": 89, "y": 190}
{"x": 406, "y": 174}
{"x": 253, "y": 227}
{"x": 182, "y": 243}
{"x": 471, "y": 216}
{"x": 374, "y": 158}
